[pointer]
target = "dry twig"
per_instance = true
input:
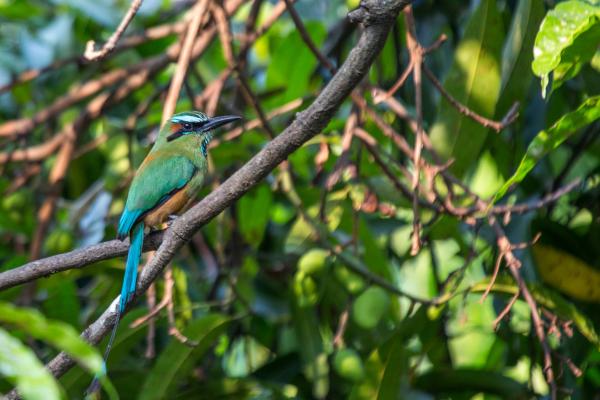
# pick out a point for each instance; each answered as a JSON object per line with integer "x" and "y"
{"x": 95, "y": 55}
{"x": 198, "y": 12}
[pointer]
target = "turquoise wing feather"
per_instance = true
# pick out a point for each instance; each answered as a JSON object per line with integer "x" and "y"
{"x": 153, "y": 185}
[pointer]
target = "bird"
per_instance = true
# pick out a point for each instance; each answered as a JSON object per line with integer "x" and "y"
{"x": 168, "y": 179}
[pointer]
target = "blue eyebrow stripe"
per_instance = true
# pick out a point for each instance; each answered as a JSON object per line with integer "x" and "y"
{"x": 191, "y": 117}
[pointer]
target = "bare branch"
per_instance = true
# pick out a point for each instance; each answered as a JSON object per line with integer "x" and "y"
{"x": 198, "y": 13}
{"x": 74, "y": 259}
{"x": 306, "y": 37}
{"x": 96, "y": 55}
{"x": 498, "y": 126}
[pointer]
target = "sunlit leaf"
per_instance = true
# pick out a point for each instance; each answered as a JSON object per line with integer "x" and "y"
{"x": 568, "y": 37}
{"x": 254, "y": 210}
{"x": 548, "y": 140}
{"x": 473, "y": 80}
{"x": 20, "y": 365}
{"x": 59, "y": 334}
{"x": 567, "y": 273}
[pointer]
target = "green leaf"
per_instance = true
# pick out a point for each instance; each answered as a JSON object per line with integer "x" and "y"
{"x": 548, "y": 140}
{"x": 370, "y": 306}
{"x": 518, "y": 54}
{"x": 20, "y": 366}
{"x": 387, "y": 366}
{"x": 473, "y": 80}
{"x": 286, "y": 71}
{"x": 486, "y": 179}
{"x": 58, "y": 334}
{"x": 62, "y": 302}
{"x": 517, "y": 78}
{"x": 244, "y": 356}
{"x": 183, "y": 299}
{"x": 471, "y": 381}
{"x": 302, "y": 231}
{"x": 177, "y": 359}
{"x": 568, "y": 38}
{"x": 254, "y": 210}
{"x": 315, "y": 366}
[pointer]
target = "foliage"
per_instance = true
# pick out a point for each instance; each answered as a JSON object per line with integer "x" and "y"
{"x": 306, "y": 287}
{"x": 474, "y": 80}
{"x": 567, "y": 39}
{"x": 548, "y": 140}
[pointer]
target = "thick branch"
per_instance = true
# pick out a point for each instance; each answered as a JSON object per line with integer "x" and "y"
{"x": 74, "y": 259}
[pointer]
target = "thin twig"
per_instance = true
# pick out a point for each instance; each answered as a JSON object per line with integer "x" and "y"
{"x": 338, "y": 339}
{"x": 307, "y": 39}
{"x": 514, "y": 265}
{"x": 96, "y": 55}
{"x": 416, "y": 56}
{"x": 198, "y": 13}
{"x": 498, "y": 126}
{"x": 150, "y": 352}
{"x": 505, "y": 310}
{"x": 383, "y": 96}
{"x": 169, "y": 294}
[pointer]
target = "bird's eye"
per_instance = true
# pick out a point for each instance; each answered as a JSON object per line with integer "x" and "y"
{"x": 187, "y": 126}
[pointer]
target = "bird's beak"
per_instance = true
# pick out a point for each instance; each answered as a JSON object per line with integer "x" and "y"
{"x": 215, "y": 122}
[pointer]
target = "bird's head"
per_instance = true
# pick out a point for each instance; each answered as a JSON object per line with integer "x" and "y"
{"x": 196, "y": 123}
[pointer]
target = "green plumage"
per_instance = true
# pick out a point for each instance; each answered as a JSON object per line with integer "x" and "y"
{"x": 168, "y": 167}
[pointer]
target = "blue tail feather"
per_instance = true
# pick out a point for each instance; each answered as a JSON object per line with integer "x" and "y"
{"x": 127, "y": 291}
{"x": 128, "y": 219}
{"x": 131, "y": 267}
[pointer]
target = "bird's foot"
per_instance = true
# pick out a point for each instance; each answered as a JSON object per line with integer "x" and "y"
{"x": 171, "y": 218}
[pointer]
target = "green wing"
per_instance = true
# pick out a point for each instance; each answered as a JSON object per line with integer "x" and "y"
{"x": 153, "y": 184}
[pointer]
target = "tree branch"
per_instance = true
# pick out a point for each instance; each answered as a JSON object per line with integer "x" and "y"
{"x": 95, "y": 55}
{"x": 74, "y": 259}
{"x": 198, "y": 13}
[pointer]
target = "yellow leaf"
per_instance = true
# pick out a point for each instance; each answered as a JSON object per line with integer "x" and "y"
{"x": 567, "y": 273}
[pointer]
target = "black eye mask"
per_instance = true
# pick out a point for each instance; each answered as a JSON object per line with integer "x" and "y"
{"x": 187, "y": 128}
{"x": 202, "y": 126}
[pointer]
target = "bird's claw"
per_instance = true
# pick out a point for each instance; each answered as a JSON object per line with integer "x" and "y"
{"x": 171, "y": 218}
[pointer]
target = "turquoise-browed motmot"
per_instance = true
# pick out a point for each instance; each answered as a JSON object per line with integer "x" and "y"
{"x": 167, "y": 180}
